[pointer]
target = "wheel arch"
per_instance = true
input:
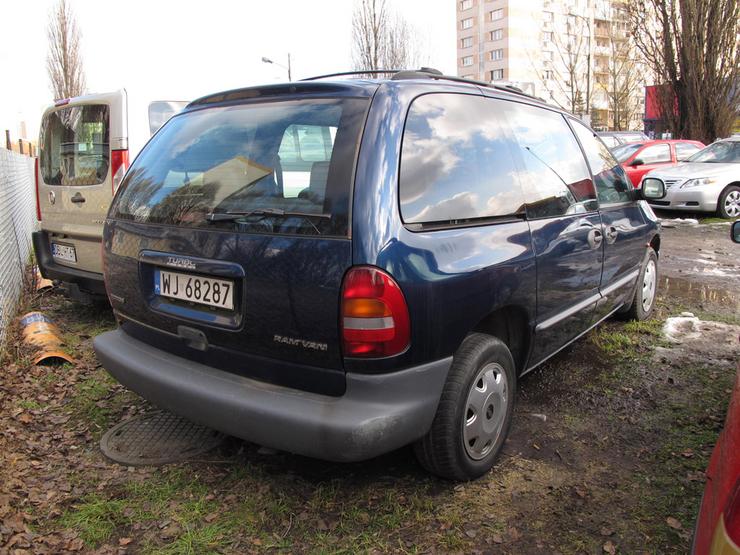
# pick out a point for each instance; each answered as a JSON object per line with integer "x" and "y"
{"x": 511, "y": 325}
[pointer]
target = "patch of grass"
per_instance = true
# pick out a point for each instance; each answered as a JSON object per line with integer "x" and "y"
{"x": 196, "y": 540}
{"x": 95, "y": 518}
{"x": 715, "y": 220}
{"x": 29, "y": 404}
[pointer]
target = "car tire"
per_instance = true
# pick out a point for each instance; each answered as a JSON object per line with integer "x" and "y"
{"x": 474, "y": 412}
{"x": 728, "y": 205}
{"x": 646, "y": 290}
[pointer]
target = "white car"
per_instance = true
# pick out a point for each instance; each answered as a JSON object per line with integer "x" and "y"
{"x": 708, "y": 181}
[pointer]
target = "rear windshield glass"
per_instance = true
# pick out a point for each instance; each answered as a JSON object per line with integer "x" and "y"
{"x": 74, "y": 146}
{"x": 277, "y": 167}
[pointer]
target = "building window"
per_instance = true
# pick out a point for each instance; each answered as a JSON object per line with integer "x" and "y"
{"x": 497, "y": 14}
{"x": 467, "y": 42}
{"x": 497, "y": 54}
{"x": 548, "y": 75}
{"x": 467, "y": 61}
{"x": 467, "y": 23}
{"x": 547, "y": 55}
{"x": 547, "y": 16}
{"x": 547, "y": 36}
{"x": 497, "y": 34}
{"x": 497, "y": 74}
{"x": 466, "y": 5}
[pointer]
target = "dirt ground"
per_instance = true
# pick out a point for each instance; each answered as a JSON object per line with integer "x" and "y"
{"x": 607, "y": 452}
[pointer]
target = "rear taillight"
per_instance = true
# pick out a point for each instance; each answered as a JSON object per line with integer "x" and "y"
{"x": 118, "y": 164}
{"x": 732, "y": 514}
{"x": 374, "y": 315}
{"x": 38, "y": 200}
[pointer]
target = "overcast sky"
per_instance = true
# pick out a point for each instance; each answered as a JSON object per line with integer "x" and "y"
{"x": 179, "y": 50}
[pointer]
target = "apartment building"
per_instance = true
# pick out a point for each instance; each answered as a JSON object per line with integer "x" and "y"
{"x": 572, "y": 53}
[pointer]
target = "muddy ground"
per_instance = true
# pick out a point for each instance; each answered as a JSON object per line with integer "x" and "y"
{"x": 607, "y": 451}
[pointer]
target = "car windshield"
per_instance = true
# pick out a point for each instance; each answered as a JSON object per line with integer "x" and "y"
{"x": 623, "y": 152}
{"x": 723, "y": 152}
{"x": 269, "y": 167}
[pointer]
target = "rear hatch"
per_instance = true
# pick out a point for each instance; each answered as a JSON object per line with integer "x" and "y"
{"x": 230, "y": 237}
{"x": 83, "y": 154}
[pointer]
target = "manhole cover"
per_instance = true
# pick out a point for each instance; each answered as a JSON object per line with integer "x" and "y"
{"x": 157, "y": 438}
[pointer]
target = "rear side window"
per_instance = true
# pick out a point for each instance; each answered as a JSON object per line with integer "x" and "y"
{"x": 273, "y": 167}
{"x": 684, "y": 150}
{"x": 457, "y": 162}
{"x": 74, "y": 146}
{"x": 555, "y": 177}
{"x": 609, "y": 177}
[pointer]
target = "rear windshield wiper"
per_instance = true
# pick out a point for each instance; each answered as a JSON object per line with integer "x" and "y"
{"x": 264, "y": 212}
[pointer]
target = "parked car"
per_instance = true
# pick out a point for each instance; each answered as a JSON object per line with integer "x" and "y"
{"x": 447, "y": 239}
{"x": 718, "y": 523}
{"x": 637, "y": 159}
{"x": 83, "y": 155}
{"x": 613, "y": 139}
{"x": 709, "y": 181}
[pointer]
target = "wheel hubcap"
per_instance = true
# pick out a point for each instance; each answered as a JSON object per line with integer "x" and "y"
{"x": 648, "y": 285}
{"x": 485, "y": 411}
{"x": 732, "y": 204}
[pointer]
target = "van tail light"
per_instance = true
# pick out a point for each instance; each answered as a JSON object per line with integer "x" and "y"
{"x": 374, "y": 315}
{"x": 119, "y": 165}
{"x": 732, "y": 514}
{"x": 38, "y": 200}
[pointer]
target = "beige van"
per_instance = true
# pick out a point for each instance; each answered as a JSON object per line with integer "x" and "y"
{"x": 83, "y": 156}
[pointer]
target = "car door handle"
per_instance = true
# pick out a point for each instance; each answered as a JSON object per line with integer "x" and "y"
{"x": 611, "y": 234}
{"x": 78, "y": 198}
{"x": 594, "y": 238}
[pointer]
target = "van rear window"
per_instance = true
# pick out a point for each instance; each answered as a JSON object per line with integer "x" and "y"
{"x": 74, "y": 145}
{"x": 275, "y": 167}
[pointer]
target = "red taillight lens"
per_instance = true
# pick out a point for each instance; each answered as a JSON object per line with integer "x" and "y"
{"x": 118, "y": 164}
{"x": 732, "y": 514}
{"x": 38, "y": 201}
{"x": 374, "y": 315}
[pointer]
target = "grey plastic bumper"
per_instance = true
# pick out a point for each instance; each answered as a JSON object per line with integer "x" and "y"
{"x": 87, "y": 281}
{"x": 377, "y": 413}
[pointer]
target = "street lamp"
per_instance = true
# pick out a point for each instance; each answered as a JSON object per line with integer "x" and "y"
{"x": 269, "y": 61}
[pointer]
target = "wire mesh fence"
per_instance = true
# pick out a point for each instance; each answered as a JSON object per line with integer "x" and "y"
{"x": 17, "y": 221}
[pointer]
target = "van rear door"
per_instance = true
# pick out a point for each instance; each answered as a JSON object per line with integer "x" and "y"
{"x": 83, "y": 155}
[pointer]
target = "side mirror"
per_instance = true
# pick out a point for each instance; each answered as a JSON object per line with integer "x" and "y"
{"x": 653, "y": 188}
{"x": 735, "y": 231}
{"x": 637, "y": 162}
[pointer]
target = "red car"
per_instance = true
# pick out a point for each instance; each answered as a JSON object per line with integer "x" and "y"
{"x": 639, "y": 158}
{"x": 718, "y": 524}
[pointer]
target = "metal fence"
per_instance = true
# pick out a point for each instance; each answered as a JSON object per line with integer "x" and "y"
{"x": 17, "y": 220}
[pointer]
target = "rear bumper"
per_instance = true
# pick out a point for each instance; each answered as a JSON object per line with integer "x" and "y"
{"x": 90, "y": 282}
{"x": 377, "y": 413}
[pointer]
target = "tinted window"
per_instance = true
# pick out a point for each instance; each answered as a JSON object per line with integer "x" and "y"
{"x": 684, "y": 150}
{"x": 456, "y": 161}
{"x": 655, "y": 154}
{"x": 609, "y": 177}
{"x": 555, "y": 177}
{"x": 74, "y": 146}
{"x": 277, "y": 158}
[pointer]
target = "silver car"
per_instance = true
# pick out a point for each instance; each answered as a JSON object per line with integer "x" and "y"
{"x": 708, "y": 181}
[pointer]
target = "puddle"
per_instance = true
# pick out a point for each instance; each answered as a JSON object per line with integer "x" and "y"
{"x": 701, "y": 295}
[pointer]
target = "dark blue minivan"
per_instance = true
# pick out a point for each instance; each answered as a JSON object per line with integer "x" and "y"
{"x": 339, "y": 268}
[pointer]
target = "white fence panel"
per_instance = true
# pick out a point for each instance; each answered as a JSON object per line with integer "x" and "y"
{"x": 17, "y": 221}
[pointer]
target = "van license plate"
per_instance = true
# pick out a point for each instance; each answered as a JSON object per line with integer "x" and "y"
{"x": 63, "y": 252}
{"x": 195, "y": 289}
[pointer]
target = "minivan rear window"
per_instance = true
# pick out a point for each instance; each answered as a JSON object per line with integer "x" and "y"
{"x": 74, "y": 145}
{"x": 270, "y": 167}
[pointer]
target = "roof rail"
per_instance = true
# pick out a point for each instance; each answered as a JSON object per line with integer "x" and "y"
{"x": 427, "y": 73}
{"x": 358, "y": 72}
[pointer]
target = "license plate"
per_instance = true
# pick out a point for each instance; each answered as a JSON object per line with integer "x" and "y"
{"x": 63, "y": 252}
{"x": 195, "y": 289}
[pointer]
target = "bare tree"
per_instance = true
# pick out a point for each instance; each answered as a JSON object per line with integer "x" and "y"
{"x": 623, "y": 85}
{"x": 566, "y": 75}
{"x": 692, "y": 48}
{"x": 382, "y": 39}
{"x": 64, "y": 60}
